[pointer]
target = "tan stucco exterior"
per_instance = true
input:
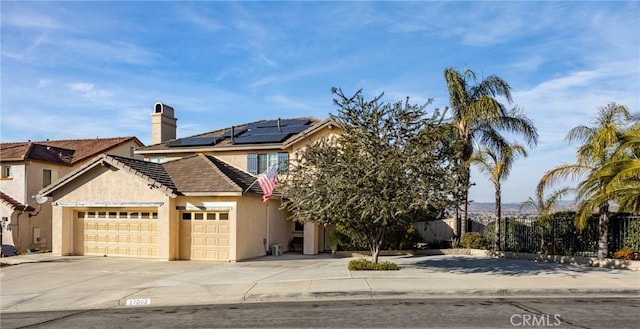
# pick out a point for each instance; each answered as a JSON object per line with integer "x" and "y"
{"x": 34, "y": 230}
{"x": 105, "y": 188}
{"x": 280, "y": 228}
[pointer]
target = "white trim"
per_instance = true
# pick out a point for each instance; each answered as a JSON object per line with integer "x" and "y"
{"x": 109, "y": 204}
{"x": 190, "y": 207}
{"x": 212, "y": 193}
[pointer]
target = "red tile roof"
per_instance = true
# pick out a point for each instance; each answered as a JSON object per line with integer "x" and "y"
{"x": 68, "y": 151}
{"x": 13, "y": 203}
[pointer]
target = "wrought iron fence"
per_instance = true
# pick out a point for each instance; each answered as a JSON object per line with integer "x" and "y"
{"x": 558, "y": 235}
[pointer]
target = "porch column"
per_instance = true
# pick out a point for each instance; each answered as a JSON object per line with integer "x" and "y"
{"x": 311, "y": 237}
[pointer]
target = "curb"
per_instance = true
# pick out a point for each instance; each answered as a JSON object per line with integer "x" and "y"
{"x": 365, "y": 295}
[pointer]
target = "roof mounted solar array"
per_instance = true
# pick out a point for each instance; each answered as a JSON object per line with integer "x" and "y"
{"x": 195, "y": 141}
{"x": 279, "y": 123}
{"x": 267, "y": 131}
{"x": 263, "y": 138}
{"x": 236, "y": 132}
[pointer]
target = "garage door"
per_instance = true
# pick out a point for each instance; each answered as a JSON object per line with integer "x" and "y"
{"x": 132, "y": 233}
{"x": 204, "y": 236}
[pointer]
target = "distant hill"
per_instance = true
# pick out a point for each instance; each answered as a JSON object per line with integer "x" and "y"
{"x": 489, "y": 207}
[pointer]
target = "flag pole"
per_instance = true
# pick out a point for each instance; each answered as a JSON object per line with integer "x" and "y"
{"x": 255, "y": 180}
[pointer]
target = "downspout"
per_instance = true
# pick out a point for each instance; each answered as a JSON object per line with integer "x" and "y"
{"x": 267, "y": 240}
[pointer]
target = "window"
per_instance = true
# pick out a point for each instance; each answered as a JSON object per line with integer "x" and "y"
{"x": 49, "y": 177}
{"x": 198, "y": 216}
{"x": 6, "y": 172}
{"x": 211, "y": 216}
{"x": 298, "y": 227}
{"x": 258, "y": 163}
{"x": 186, "y": 216}
{"x": 224, "y": 216}
{"x": 158, "y": 159}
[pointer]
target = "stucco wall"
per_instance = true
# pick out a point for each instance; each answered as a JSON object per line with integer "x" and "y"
{"x": 251, "y": 232}
{"x": 102, "y": 185}
{"x": 15, "y": 186}
{"x": 212, "y": 203}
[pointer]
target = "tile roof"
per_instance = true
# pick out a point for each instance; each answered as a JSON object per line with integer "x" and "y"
{"x": 151, "y": 170}
{"x": 202, "y": 173}
{"x": 192, "y": 174}
{"x": 13, "y": 203}
{"x": 275, "y": 132}
{"x": 68, "y": 151}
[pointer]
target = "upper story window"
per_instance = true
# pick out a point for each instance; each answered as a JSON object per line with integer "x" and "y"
{"x": 6, "y": 172}
{"x": 258, "y": 163}
{"x": 49, "y": 177}
{"x": 158, "y": 159}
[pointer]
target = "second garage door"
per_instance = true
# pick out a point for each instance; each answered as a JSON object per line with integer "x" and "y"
{"x": 204, "y": 236}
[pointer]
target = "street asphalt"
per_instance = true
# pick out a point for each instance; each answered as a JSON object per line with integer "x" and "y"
{"x": 43, "y": 282}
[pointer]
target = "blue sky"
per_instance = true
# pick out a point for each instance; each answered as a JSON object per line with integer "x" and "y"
{"x": 87, "y": 69}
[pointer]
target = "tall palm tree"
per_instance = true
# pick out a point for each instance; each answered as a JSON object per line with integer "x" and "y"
{"x": 597, "y": 150}
{"x": 498, "y": 167}
{"x": 479, "y": 118}
{"x": 621, "y": 174}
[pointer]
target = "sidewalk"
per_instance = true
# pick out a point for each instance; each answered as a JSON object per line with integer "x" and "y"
{"x": 44, "y": 282}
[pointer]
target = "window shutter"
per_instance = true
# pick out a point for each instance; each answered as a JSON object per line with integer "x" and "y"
{"x": 283, "y": 163}
{"x": 252, "y": 163}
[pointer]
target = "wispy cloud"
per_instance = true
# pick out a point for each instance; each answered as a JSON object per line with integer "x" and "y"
{"x": 97, "y": 68}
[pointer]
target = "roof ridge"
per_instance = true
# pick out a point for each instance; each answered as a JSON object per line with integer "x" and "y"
{"x": 212, "y": 161}
{"x": 81, "y": 139}
{"x": 143, "y": 174}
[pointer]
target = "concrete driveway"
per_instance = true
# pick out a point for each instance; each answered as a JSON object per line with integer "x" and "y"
{"x": 45, "y": 282}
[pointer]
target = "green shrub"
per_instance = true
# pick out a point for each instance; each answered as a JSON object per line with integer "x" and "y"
{"x": 473, "y": 240}
{"x": 367, "y": 265}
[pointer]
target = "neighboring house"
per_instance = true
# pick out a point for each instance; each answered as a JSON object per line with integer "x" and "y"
{"x": 193, "y": 197}
{"x": 29, "y": 166}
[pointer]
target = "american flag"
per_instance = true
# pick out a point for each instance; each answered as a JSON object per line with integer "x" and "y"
{"x": 268, "y": 182}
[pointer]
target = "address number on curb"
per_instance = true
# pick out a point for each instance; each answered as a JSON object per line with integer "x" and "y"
{"x": 138, "y": 301}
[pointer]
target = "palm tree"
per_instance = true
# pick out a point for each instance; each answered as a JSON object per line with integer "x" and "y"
{"x": 479, "y": 118}
{"x": 597, "y": 150}
{"x": 621, "y": 174}
{"x": 498, "y": 167}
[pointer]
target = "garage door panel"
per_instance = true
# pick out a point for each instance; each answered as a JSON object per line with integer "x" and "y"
{"x": 207, "y": 237}
{"x": 116, "y": 235}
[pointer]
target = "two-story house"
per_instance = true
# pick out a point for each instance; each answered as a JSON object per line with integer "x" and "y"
{"x": 191, "y": 198}
{"x": 29, "y": 166}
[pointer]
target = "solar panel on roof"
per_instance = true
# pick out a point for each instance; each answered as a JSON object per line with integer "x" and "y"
{"x": 283, "y": 122}
{"x": 295, "y": 122}
{"x": 262, "y": 138}
{"x": 236, "y": 132}
{"x": 276, "y": 130}
{"x": 195, "y": 141}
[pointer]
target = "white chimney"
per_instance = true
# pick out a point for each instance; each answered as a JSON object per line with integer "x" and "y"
{"x": 163, "y": 123}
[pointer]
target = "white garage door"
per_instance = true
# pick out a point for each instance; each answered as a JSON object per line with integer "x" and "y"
{"x": 204, "y": 236}
{"x": 132, "y": 233}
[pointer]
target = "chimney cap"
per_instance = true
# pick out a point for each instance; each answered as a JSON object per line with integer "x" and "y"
{"x": 159, "y": 107}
